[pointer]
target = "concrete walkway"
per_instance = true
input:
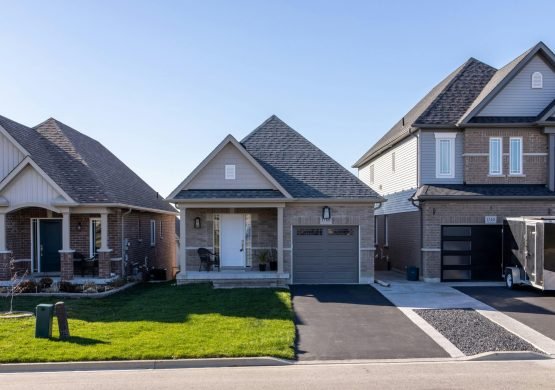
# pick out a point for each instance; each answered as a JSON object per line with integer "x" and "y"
{"x": 408, "y": 296}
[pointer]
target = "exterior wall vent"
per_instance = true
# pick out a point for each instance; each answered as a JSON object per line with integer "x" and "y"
{"x": 537, "y": 80}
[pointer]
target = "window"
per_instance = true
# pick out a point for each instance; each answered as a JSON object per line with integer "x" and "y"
{"x": 95, "y": 236}
{"x": 161, "y": 230}
{"x": 371, "y": 174}
{"x": 375, "y": 230}
{"x": 495, "y": 156}
{"x": 445, "y": 155}
{"x": 385, "y": 230}
{"x": 515, "y": 152}
{"x": 537, "y": 80}
{"x": 393, "y": 162}
{"x": 152, "y": 232}
{"x": 230, "y": 172}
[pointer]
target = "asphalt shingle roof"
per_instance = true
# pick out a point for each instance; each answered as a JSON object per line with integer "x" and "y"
{"x": 229, "y": 194}
{"x": 478, "y": 191}
{"x": 82, "y": 167}
{"x": 299, "y": 167}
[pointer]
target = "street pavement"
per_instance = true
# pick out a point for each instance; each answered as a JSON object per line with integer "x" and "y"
{"x": 535, "y": 374}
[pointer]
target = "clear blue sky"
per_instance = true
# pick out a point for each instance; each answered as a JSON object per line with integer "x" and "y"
{"x": 161, "y": 83}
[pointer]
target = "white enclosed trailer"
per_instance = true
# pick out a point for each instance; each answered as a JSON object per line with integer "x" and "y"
{"x": 529, "y": 255}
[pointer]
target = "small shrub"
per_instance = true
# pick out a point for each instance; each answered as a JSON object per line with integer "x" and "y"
{"x": 28, "y": 286}
{"x": 45, "y": 283}
{"x": 117, "y": 283}
{"x": 90, "y": 287}
{"x": 67, "y": 287}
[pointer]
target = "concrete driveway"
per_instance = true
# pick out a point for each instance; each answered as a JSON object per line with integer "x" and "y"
{"x": 336, "y": 322}
{"x": 532, "y": 307}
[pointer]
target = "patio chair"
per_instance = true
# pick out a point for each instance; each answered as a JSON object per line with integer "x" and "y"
{"x": 86, "y": 264}
{"x": 208, "y": 259}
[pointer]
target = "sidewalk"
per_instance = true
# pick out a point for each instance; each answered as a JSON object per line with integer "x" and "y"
{"x": 408, "y": 296}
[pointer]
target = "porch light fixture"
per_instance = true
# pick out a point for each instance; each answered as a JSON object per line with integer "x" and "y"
{"x": 197, "y": 223}
{"x": 326, "y": 213}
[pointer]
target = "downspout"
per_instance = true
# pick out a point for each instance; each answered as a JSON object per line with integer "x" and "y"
{"x": 123, "y": 246}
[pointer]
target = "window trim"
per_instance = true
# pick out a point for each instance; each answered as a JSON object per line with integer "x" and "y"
{"x": 152, "y": 232}
{"x": 92, "y": 232}
{"x": 230, "y": 172}
{"x": 521, "y": 154}
{"x": 500, "y": 173}
{"x": 537, "y": 80}
{"x": 450, "y": 137}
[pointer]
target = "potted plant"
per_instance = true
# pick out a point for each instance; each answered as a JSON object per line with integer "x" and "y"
{"x": 273, "y": 260}
{"x": 262, "y": 260}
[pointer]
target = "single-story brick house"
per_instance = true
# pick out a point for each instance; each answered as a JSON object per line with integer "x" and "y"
{"x": 64, "y": 196}
{"x": 275, "y": 193}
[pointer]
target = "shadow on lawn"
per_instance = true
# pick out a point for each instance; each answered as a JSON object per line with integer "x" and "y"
{"x": 164, "y": 302}
{"x": 80, "y": 341}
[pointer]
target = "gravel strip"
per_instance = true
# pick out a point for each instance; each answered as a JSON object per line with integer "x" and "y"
{"x": 473, "y": 333}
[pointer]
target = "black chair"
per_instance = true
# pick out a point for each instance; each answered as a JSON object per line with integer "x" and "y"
{"x": 86, "y": 264}
{"x": 208, "y": 259}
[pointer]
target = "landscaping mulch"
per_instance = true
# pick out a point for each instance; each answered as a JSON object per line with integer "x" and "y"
{"x": 473, "y": 333}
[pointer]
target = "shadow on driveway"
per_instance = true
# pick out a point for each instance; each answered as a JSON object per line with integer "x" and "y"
{"x": 355, "y": 322}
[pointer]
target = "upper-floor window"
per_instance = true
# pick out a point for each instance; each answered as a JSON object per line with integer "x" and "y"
{"x": 371, "y": 174}
{"x": 445, "y": 155}
{"x": 230, "y": 172}
{"x": 393, "y": 162}
{"x": 537, "y": 80}
{"x": 495, "y": 156}
{"x": 515, "y": 155}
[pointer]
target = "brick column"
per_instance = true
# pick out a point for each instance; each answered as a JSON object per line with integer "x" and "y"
{"x": 66, "y": 264}
{"x": 5, "y": 273}
{"x": 104, "y": 263}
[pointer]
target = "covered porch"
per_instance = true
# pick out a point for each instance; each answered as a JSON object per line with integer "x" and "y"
{"x": 246, "y": 242}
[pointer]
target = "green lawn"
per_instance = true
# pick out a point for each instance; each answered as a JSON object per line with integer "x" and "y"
{"x": 158, "y": 321}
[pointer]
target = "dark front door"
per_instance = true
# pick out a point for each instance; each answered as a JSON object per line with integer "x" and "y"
{"x": 50, "y": 244}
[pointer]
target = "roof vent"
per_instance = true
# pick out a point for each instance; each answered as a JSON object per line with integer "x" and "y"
{"x": 537, "y": 80}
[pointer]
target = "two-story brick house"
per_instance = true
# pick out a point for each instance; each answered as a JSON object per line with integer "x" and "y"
{"x": 478, "y": 148}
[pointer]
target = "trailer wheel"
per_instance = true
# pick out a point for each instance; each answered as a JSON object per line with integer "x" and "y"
{"x": 509, "y": 282}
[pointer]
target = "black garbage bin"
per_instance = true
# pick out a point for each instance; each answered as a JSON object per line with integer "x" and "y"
{"x": 412, "y": 273}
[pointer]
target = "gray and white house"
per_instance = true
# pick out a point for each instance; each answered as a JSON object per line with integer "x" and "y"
{"x": 275, "y": 192}
{"x": 478, "y": 148}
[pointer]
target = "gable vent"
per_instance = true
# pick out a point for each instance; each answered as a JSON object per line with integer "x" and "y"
{"x": 537, "y": 80}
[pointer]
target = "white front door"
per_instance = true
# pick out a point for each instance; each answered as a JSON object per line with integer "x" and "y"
{"x": 232, "y": 240}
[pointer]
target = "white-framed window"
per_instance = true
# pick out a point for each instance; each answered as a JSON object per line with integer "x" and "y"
{"x": 445, "y": 155}
{"x": 230, "y": 172}
{"x": 152, "y": 232}
{"x": 371, "y": 174}
{"x": 537, "y": 80}
{"x": 496, "y": 156}
{"x": 95, "y": 236}
{"x": 515, "y": 156}
{"x": 393, "y": 162}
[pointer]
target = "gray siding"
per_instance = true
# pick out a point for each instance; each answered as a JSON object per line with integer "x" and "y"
{"x": 10, "y": 156}
{"x": 397, "y": 203}
{"x": 518, "y": 98}
{"x": 247, "y": 176}
{"x": 428, "y": 160}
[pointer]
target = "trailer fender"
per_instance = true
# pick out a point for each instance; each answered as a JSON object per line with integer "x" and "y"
{"x": 515, "y": 280}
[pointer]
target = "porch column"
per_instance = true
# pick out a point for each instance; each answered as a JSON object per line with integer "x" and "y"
{"x": 104, "y": 258}
{"x": 5, "y": 254}
{"x": 182, "y": 241}
{"x": 66, "y": 254}
{"x": 280, "y": 239}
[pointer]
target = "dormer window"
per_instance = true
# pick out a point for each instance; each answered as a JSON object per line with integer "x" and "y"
{"x": 230, "y": 172}
{"x": 537, "y": 80}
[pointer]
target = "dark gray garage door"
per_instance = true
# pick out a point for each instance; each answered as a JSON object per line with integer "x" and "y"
{"x": 325, "y": 254}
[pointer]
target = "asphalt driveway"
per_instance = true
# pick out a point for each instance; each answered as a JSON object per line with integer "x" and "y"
{"x": 532, "y": 307}
{"x": 336, "y": 322}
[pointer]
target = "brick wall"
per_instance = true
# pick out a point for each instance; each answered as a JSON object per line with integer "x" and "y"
{"x": 18, "y": 230}
{"x": 436, "y": 214}
{"x": 476, "y": 168}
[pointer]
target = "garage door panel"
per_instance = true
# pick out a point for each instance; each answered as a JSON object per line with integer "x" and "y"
{"x": 325, "y": 255}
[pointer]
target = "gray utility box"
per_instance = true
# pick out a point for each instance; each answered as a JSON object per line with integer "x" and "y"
{"x": 529, "y": 246}
{"x": 43, "y": 326}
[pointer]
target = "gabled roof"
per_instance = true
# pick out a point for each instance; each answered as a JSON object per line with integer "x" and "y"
{"x": 443, "y": 105}
{"x": 482, "y": 191}
{"x": 503, "y": 76}
{"x": 301, "y": 168}
{"x": 82, "y": 167}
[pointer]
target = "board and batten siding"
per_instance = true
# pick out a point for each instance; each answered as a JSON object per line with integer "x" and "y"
{"x": 428, "y": 160}
{"x": 247, "y": 176}
{"x": 518, "y": 98}
{"x": 29, "y": 187}
{"x": 10, "y": 156}
{"x": 387, "y": 181}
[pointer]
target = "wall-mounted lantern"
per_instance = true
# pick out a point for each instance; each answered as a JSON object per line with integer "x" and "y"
{"x": 197, "y": 223}
{"x": 326, "y": 213}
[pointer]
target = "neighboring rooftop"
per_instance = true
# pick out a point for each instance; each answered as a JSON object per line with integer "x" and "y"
{"x": 470, "y": 191}
{"x": 87, "y": 171}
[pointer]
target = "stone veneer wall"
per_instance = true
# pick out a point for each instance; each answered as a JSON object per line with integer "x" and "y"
{"x": 436, "y": 214}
